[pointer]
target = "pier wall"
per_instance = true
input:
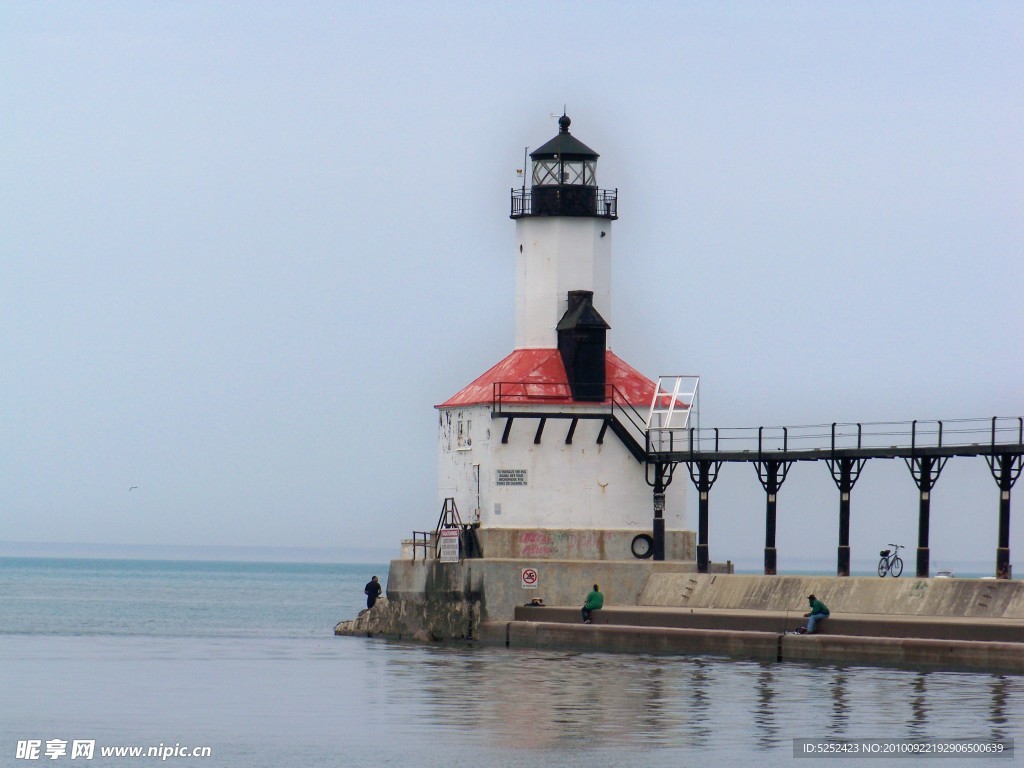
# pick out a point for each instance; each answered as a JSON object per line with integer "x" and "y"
{"x": 497, "y": 583}
{"x": 981, "y": 598}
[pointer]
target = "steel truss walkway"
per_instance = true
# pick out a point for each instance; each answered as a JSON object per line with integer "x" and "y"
{"x": 671, "y": 435}
{"x": 925, "y": 446}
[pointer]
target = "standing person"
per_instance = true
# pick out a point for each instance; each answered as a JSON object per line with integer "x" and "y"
{"x": 819, "y": 612}
{"x": 372, "y": 592}
{"x": 594, "y": 601}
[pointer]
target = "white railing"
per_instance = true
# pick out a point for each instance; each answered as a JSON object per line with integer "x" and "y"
{"x": 674, "y": 410}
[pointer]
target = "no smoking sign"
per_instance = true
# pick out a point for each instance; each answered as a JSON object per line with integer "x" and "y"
{"x": 530, "y": 578}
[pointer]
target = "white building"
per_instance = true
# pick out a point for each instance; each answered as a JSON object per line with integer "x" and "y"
{"x": 545, "y": 451}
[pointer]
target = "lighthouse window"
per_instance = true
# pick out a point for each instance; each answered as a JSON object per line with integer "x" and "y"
{"x": 464, "y": 429}
{"x": 576, "y": 172}
{"x": 572, "y": 173}
{"x": 546, "y": 172}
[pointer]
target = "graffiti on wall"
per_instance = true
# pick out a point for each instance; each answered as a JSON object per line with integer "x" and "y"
{"x": 558, "y": 544}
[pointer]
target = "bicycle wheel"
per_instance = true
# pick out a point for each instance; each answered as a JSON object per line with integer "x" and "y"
{"x": 883, "y": 566}
{"x": 897, "y": 567}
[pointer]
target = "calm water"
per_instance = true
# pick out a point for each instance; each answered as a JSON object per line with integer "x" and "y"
{"x": 241, "y": 658}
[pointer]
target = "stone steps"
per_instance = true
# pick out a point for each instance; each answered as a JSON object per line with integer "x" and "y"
{"x": 913, "y": 652}
{"x": 778, "y": 622}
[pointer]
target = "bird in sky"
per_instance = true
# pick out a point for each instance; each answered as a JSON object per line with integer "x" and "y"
{"x": 133, "y": 488}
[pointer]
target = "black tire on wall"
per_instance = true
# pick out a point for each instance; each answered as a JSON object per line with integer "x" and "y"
{"x": 642, "y": 546}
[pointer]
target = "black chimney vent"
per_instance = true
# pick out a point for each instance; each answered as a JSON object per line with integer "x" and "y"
{"x": 582, "y": 335}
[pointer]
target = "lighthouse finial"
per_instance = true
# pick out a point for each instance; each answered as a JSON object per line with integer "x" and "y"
{"x": 564, "y": 122}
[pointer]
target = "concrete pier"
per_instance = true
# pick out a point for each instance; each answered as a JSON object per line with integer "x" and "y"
{"x": 971, "y": 624}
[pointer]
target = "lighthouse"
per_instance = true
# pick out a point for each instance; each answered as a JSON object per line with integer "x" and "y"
{"x": 544, "y": 453}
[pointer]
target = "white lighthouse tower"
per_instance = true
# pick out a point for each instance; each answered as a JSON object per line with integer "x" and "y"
{"x": 563, "y": 237}
{"x": 544, "y": 452}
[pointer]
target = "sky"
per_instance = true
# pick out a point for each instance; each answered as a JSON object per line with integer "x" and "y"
{"x": 245, "y": 248}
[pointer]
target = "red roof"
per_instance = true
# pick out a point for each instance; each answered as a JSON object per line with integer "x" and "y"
{"x": 538, "y": 376}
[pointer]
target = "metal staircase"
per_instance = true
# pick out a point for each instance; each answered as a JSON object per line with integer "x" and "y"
{"x": 469, "y": 542}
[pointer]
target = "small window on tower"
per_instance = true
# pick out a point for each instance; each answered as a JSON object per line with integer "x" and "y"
{"x": 464, "y": 440}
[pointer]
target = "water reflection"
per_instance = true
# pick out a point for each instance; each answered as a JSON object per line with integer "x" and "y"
{"x": 700, "y": 725}
{"x": 840, "y": 705}
{"x": 1000, "y": 701}
{"x": 558, "y": 700}
{"x": 917, "y": 724}
{"x": 653, "y": 714}
{"x": 764, "y": 709}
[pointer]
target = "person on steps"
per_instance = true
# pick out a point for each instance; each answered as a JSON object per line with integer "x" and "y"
{"x": 594, "y": 601}
{"x": 818, "y": 612}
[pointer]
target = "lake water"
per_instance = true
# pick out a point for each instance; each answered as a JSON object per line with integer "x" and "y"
{"x": 240, "y": 658}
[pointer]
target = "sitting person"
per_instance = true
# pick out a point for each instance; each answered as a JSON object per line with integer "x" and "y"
{"x": 819, "y": 612}
{"x": 594, "y": 601}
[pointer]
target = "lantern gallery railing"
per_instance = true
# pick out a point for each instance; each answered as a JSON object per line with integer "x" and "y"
{"x": 565, "y": 200}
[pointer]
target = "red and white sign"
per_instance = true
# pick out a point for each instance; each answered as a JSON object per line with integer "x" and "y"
{"x": 530, "y": 578}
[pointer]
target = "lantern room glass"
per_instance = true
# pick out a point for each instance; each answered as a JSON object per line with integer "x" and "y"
{"x": 552, "y": 172}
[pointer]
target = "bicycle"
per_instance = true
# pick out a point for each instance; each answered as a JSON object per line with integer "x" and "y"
{"x": 891, "y": 563}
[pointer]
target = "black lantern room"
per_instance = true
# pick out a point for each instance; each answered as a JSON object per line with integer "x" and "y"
{"x": 564, "y": 181}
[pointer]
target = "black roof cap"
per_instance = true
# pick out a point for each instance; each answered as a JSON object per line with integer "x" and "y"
{"x": 565, "y": 145}
{"x": 581, "y": 313}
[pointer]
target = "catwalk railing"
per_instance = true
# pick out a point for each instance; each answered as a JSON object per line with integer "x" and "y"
{"x": 903, "y": 439}
{"x": 925, "y": 446}
{"x": 513, "y": 400}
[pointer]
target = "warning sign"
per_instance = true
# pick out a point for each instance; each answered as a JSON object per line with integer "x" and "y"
{"x": 530, "y": 578}
{"x": 448, "y": 545}
{"x": 511, "y": 477}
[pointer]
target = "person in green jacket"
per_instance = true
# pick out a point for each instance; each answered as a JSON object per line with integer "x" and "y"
{"x": 819, "y": 612}
{"x": 594, "y": 601}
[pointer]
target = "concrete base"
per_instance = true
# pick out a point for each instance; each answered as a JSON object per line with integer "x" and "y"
{"x": 446, "y": 601}
{"x": 422, "y": 620}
